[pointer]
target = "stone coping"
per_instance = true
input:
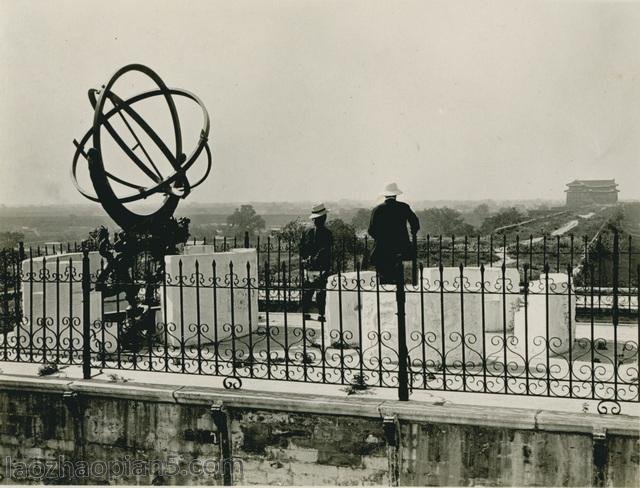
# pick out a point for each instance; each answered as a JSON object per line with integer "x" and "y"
{"x": 357, "y": 406}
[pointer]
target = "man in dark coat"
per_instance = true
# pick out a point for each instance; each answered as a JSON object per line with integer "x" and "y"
{"x": 316, "y": 251}
{"x": 392, "y": 244}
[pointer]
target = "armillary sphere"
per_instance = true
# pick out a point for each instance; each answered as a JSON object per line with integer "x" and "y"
{"x": 174, "y": 186}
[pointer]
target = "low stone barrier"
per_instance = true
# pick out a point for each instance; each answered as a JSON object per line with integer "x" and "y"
{"x": 193, "y": 311}
{"x": 548, "y": 322}
{"x": 435, "y": 306}
{"x": 52, "y": 299}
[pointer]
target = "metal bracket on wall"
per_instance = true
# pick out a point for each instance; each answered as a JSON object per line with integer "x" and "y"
{"x": 599, "y": 434}
{"x": 220, "y": 416}
{"x": 391, "y": 430}
{"x": 600, "y": 454}
{"x": 75, "y": 403}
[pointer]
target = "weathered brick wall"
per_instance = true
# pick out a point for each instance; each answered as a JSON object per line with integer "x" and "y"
{"x": 275, "y": 448}
{"x": 622, "y": 463}
{"x": 173, "y": 434}
{"x": 34, "y": 427}
{"x": 41, "y": 427}
{"x": 312, "y": 442}
{"x": 469, "y": 455}
{"x": 302, "y": 449}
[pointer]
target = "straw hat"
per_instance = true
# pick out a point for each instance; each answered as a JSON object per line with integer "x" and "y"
{"x": 391, "y": 190}
{"x": 318, "y": 211}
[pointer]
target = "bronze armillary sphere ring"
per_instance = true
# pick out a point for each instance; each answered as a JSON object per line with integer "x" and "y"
{"x": 174, "y": 186}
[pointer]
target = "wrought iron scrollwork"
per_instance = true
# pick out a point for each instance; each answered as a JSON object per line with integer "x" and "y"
{"x": 611, "y": 407}
{"x": 232, "y": 383}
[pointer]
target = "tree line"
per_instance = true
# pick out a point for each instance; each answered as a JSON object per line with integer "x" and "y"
{"x": 444, "y": 221}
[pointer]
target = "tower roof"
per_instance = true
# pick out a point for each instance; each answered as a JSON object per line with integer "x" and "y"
{"x": 593, "y": 183}
{"x": 592, "y": 186}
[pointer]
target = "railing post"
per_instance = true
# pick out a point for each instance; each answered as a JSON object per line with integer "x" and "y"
{"x": 86, "y": 316}
{"x": 4, "y": 317}
{"x": 403, "y": 378}
{"x": 365, "y": 253}
{"x": 615, "y": 312}
{"x": 246, "y": 240}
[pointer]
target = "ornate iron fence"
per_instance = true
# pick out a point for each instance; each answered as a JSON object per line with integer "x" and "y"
{"x": 542, "y": 317}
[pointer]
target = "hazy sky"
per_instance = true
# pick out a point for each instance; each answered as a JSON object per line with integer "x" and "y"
{"x": 314, "y": 100}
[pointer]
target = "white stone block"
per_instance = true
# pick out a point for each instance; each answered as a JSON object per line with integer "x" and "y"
{"x": 194, "y": 249}
{"x": 69, "y": 263}
{"x": 498, "y": 290}
{"x": 196, "y": 312}
{"x": 427, "y": 311}
{"x": 553, "y": 308}
{"x": 52, "y": 300}
{"x": 345, "y": 305}
{"x": 425, "y": 316}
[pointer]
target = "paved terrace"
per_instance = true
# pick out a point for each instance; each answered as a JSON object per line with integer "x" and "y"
{"x": 137, "y": 379}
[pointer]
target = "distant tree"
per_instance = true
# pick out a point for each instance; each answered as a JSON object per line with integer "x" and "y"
{"x": 245, "y": 219}
{"x": 443, "y": 221}
{"x": 292, "y": 231}
{"x": 478, "y": 215}
{"x": 504, "y": 217}
{"x": 344, "y": 243}
{"x": 9, "y": 240}
{"x": 615, "y": 221}
{"x": 482, "y": 210}
{"x": 361, "y": 219}
{"x": 341, "y": 230}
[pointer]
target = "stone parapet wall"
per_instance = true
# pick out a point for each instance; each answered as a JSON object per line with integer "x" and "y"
{"x": 297, "y": 439}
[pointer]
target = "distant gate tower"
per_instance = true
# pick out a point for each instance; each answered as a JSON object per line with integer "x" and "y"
{"x": 591, "y": 192}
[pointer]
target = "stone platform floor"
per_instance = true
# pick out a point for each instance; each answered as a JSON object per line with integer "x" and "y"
{"x": 72, "y": 373}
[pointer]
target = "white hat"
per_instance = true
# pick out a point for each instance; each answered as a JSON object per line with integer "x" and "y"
{"x": 318, "y": 211}
{"x": 391, "y": 190}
